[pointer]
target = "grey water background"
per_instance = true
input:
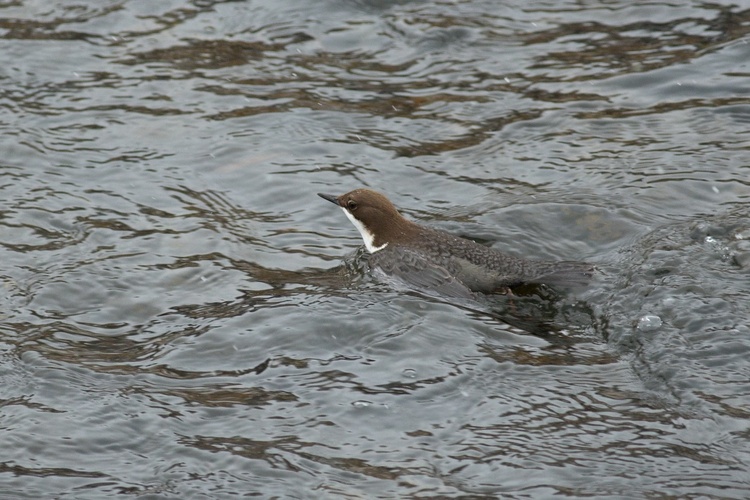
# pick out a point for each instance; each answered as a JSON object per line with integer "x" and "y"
{"x": 181, "y": 317}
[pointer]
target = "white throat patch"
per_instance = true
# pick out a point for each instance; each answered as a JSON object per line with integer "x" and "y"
{"x": 366, "y": 234}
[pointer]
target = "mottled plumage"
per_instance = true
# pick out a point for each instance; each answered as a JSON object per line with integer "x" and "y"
{"x": 429, "y": 258}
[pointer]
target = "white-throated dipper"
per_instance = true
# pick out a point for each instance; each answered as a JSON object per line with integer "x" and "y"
{"x": 434, "y": 259}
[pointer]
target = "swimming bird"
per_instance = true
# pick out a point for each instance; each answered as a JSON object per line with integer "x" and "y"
{"x": 434, "y": 259}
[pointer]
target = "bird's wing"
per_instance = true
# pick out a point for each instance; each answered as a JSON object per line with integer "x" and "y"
{"x": 416, "y": 271}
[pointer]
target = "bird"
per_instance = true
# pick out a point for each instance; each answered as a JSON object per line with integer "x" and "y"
{"x": 432, "y": 259}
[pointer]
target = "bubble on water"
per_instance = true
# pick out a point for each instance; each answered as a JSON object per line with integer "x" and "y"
{"x": 649, "y": 323}
{"x": 362, "y": 404}
{"x": 410, "y": 373}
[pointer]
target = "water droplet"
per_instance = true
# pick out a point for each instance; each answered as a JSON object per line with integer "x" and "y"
{"x": 649, "y": 323}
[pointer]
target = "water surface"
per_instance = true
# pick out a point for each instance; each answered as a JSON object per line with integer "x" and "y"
{"x": 184, "y": 318}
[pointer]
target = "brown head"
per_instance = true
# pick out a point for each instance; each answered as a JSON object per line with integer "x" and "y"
{"x": 374, "y": 215}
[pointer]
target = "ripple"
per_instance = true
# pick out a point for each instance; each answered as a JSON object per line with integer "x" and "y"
{"x": 183, "y": 318}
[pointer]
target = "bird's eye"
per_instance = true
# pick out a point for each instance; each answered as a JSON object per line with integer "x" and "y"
{"x": 351, "y": 205}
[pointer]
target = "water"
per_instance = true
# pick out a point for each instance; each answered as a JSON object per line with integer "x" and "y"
{"x": 183, "y": 316}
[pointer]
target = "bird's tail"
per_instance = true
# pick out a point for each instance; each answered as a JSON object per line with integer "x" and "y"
{"x": 566, "y": 273}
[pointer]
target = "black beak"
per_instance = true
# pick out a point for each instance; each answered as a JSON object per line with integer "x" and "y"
{"x": 329, "y": 197}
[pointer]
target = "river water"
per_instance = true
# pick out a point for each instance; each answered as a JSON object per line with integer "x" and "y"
{"x": 183, "y": 317}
